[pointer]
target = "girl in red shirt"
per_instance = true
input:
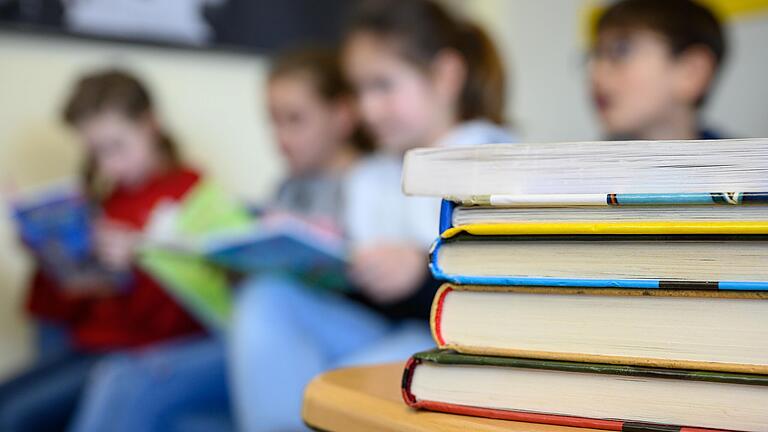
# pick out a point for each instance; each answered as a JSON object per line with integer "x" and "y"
{"x": 131, "y": 166}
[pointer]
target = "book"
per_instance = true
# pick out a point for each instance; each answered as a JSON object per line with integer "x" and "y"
{"x": 55, "y": 222}
{"x": 193, "y": 247}
{"x": 202, "y": 287}
{"x": 617, "y": 200}
{"x": 594, "y": 395}
{"x": 659, "y": 328}
{"x": 545, "y": 172}
{"x": 698, "y": 256}
{"x": 277, "y": 243}
{"x": 458, "y": 216}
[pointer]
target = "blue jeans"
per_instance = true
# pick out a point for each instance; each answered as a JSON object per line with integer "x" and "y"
{"x": 52, "y": 341}
{"x": 175, "y": 386}
{"x": 284, "y": 334}
{"x": 46, "y": 395}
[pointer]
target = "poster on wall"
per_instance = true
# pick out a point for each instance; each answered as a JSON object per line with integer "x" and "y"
{"x": 262, "y": 26}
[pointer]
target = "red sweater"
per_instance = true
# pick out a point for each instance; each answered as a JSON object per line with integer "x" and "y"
{"x": 141, "y": 315}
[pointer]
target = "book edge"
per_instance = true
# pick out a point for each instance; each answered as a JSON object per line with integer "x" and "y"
{"x": 647, "y": 362}
{"x": 610, "y": 291}
{"x": 452, "y": 357}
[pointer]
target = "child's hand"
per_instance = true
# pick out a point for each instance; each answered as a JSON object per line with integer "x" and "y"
{"x": 390, "y": 272}
{"x": 115, "y": 244}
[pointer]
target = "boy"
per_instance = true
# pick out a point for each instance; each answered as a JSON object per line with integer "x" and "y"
{"x": 652, "y": 67}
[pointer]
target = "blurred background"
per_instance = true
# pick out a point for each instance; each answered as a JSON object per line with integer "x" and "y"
{"x": 206, "y": 61}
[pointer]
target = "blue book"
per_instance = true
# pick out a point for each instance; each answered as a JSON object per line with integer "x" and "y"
{"x": 665, "y": 261}
{"x": 280, "y": 244}
{"x": 317, "y": 259}
{"x": 54, "y": 222}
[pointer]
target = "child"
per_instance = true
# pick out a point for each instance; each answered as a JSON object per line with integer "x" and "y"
{"x": 318, "y": 130}
{"x": 424, "y": 78}
{"x": 653, "y": 65}
{"x": 184, "y": 384}
{"x": 131, "y": 165}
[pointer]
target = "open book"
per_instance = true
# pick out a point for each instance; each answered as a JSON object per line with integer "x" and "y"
{"x": 192, "y": 248}
{"x": 280, "y": 243}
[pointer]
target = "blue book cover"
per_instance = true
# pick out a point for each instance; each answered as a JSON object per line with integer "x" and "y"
{"x": 316, "y": 256}
{"x": 277, "y": 242}
{"x": 55, "y": 222}
{"x": 641, "y": 283}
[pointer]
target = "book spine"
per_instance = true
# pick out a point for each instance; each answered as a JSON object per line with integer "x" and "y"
{"x": 410, "y": 368}
{"x": 446, "y": 215}
{"x": 436, "y": 314}
{"x": 434, "y": 266}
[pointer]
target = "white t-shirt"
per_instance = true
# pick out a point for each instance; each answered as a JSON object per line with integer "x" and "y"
{"x": 376, "y": 209}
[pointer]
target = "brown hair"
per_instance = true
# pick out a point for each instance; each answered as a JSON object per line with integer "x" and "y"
{"x": 323, "y": 69}
{"x": 424, "y": 28}
{"x": 113, "y": 90}
{"x": 683, "y": 23}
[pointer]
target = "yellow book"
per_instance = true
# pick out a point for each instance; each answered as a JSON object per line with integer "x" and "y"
{"x": 611, "y": 228}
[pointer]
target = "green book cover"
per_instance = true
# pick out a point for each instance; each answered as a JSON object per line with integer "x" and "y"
{"x": 449, "y": 357}
{"x": 199, "y": 285}
{"x": 596, "y": 405}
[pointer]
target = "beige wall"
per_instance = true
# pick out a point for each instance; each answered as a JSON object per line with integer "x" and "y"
{"x": 214, "y": 104}
{"x": 211, "y": 102}
{"x": 544, "y": 42}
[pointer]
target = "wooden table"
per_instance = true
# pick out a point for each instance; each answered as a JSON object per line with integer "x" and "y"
{"x": 368, "y": 399}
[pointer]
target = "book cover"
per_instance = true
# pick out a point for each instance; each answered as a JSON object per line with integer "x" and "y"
{"x": 608, "y": 219}
{"x": 297, "y": 249}
{"x": 603, "y": 232}
{"x": 447, "y": 357}
{"x": 638, "y": 227}
{"x": 203, "y": 289}
{"x": 55, "y": 223}
{"x": 198, "y": 284}
{"x": 446, "y": 215}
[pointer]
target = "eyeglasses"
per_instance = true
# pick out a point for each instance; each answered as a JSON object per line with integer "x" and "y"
{"x": 616, "y": 51}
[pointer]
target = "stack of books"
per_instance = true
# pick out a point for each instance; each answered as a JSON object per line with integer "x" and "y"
{"x": 610, "y": 285}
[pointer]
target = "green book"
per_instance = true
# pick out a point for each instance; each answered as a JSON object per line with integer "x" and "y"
{"x": 192, "y": 248}
{"x": 601, "y": 396}
{"x": 201, "y": 286}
